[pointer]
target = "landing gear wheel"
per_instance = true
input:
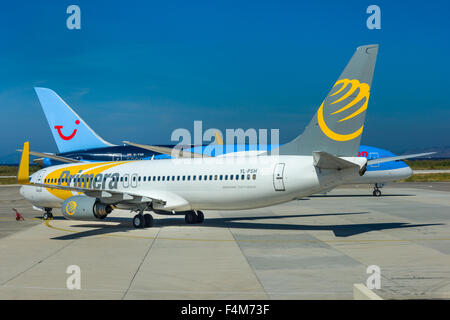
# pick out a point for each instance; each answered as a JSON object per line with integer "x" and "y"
{"x": 138, "y": 221}
{"x": 47, "y": 215}
{"x": 148, "y": 219}
{"x": 376, "y": 193}
{"x": 190, "y": 218}
{"x": 200, "y": 217}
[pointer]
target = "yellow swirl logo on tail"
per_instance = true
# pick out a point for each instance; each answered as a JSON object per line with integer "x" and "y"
{"x": 364, "y": 92}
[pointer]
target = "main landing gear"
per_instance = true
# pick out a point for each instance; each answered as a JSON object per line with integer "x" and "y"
{"x": 143, "y": 220}
{"x": 48, "y": 214}
{"x": 194, "y": 217}
{"x": 146, "y": 220}
{"x": 376, "y": 189}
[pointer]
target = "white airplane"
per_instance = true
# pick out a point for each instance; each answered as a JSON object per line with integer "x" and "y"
{"x": 318, "y": 160}
{"x": 78, "y": 142}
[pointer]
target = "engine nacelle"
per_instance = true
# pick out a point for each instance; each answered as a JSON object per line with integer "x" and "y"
{"x": 84, "y": 208}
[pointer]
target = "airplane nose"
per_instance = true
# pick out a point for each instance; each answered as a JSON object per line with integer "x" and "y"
{"x": 409, "y": 172}
{"x": 21, "y": 191}
{"x": 405, "y": 172}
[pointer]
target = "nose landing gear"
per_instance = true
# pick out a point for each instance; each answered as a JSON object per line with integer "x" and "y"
{"x": 47, "y": 214}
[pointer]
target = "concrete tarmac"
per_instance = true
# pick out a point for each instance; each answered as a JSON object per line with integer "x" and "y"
{"x": 9, "y": 199}
{"x": 314, "y": 248}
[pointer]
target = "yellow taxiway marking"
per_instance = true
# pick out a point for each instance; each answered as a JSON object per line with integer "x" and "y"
{"x": 47, "y": 223}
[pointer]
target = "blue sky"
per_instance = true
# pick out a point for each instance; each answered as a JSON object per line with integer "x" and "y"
{"x": 137, "y": 70}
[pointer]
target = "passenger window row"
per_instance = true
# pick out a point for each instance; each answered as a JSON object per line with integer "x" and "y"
{"x": 165, "y": 178}
{"x": 194, "y": 178}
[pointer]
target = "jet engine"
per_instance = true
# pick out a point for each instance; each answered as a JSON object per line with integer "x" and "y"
{"x": 363, "y": 169}
{"x": 84, "y": 208}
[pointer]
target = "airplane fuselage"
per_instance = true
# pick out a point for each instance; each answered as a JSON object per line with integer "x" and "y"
{"x": 379, "y": 173}
{"x": 194, "y": 184}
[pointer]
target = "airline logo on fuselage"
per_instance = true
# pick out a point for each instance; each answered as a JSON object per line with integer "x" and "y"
{"x": 351, "y": 86}
{"x": 71, "y": 206}
{"x": 91, "y": 181}
{"x": 69, "y": 137}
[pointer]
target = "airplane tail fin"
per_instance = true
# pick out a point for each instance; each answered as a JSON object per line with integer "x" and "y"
{"x": 68, "y": 129}
{"x": 338, "y": 123}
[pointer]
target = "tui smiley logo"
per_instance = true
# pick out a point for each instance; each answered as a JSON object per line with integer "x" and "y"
{"x": 58, "y": 128}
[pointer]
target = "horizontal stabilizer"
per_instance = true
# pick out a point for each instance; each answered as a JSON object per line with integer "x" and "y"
{"x": 53, "y": 157}
{"x": 324, "y": 160}
{"x": 397, "y": 158}
{"x": 174, "y": 152}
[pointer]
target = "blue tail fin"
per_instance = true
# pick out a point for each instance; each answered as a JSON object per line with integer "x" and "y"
{"x": 69, "y": 130}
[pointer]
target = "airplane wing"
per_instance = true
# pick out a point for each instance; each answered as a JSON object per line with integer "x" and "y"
{"x": 53, "y": 156}
{"x": 106, "y": 196}
{"x": 396, "y": 158}
{"x": 178, "y": 153}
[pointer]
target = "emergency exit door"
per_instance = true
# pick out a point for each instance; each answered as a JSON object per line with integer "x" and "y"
{"x": 278, "y": 182}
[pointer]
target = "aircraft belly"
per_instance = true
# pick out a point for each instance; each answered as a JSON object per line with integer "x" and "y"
{"x": 229, "y": 197}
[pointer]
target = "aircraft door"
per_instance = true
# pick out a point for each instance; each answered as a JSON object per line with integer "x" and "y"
{"x": 39, "y": 180}
{"x": 278, "y": 182}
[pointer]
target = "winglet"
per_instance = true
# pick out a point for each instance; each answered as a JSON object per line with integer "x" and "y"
{"x": 24, "y": 170}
